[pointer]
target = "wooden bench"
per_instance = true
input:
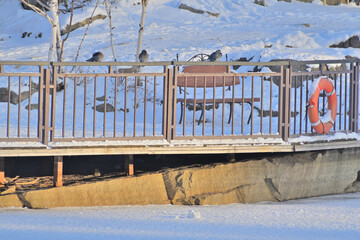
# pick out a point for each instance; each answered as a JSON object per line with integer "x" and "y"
{"x": 198, "y": 81}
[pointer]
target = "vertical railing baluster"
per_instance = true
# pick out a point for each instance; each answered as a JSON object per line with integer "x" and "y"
{"x": 271, "y": 96}
{"x": 252, "y": 106}
{"x": 94, "y": 112}
{"x": 306, "y": 100}
{"x": 74, "y": 110}
{"x": 8, "y": 109}
{"x": 19, "y": 109}
{"x": 125, "y": 104}
{"x": 213, "y": 115}
{"x": 295, "y": 102}
{"x": 84, "y": 116}
{"x": 135, "y": 107}
{"x": 105, "y": 103}
{"x": 261, "y": 104}
{"x": 29, "y": 108}
{"x": 233, "y": 106}
{"x": 345, "y": 101}
{"x": 301, "y": 104}
{"x": 203, "y": 108}
{"x": 184, "y": 107}
{"x": 115, "y": 106}
{"x": 145, "y": 105}
{"x": 223, "y": 107}
{"x": 195, "y": 81}
{"x": 340, "y": 101}
{"x": 64, "y": 108}
{"x": 154, "y": 110}
{"x": 242, "y": 105}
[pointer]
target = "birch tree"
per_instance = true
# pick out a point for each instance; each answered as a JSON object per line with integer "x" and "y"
{"x": 141, "y": 28}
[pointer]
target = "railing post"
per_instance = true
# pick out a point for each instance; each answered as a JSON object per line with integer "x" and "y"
{"x": 284, "y": 103}
{"x": 354, "y": 97}
{"x": 170, "y": 112}
{"x": 48, "y": 87}
{"x": 45, "y": 106}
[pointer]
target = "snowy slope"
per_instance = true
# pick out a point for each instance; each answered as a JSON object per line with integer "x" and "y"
{"x": 293, "y": 30}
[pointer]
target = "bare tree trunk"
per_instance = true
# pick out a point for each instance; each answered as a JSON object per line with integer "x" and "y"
{"x": 55, "y": 40}
{"x": 141, "y": 29}
{"x": 108, "y": 11}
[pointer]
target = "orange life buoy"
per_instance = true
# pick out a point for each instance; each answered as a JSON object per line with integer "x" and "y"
{"x": 324, "y": 124}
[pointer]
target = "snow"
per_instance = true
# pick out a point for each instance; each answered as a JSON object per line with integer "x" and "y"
{"x": 328, "y": 217}
{"x": 242, "y": 29}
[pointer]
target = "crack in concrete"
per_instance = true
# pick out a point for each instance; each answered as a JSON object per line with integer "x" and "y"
{"x": 22, "y": 199}
{"x": 274, "y": 190}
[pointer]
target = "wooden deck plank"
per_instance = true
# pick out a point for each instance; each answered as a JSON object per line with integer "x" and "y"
{"x": 176, "y": 147}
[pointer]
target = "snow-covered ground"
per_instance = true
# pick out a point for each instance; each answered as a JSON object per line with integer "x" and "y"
{"x": 329, "y": 217}
{"x": 294, "y": 30}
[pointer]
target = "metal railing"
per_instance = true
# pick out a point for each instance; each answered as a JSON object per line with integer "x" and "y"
{"x": 62, "y": 102}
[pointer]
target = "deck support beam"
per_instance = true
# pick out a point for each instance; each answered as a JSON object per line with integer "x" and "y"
{"x": 2, "y": 171}
{"x": 129, "y": 165}
{"x": 231, "y": 158}
{"x": 58, "y": 171}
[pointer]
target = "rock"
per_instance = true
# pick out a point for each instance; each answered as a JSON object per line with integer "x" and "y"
{"x": 4, "y": 96}
{"x": 295, "y": 68}
{"x": 101, "y": 108}
{"x": 352, "y": 42}
{"x": 33, "y": 106}
{"x": 35, "y": 3}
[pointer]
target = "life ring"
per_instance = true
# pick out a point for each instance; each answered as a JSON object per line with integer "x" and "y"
{"x": 324, "y": 124}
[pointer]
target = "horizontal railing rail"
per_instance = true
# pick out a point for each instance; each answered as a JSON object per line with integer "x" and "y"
{"x": 173, "y": 100}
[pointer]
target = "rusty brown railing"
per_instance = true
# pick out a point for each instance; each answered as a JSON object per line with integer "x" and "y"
{"x": 63, "y": 102}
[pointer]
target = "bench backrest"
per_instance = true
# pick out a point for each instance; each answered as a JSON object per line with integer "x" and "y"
{"x": 208, "y": 81}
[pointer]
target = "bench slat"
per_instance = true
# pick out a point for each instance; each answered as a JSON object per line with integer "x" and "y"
{"x": 219, "y": 100}
{"x": 200, "y": 80}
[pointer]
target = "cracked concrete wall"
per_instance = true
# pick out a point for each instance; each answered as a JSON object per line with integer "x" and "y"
{"x": 292, "y": 176}
{"x": 140, "y": 190}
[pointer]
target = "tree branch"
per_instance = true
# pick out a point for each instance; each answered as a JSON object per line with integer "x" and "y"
{"x": 70, "y": 27}
{"x": 38, "y": 11}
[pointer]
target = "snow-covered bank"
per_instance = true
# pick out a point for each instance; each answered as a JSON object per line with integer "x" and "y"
{"x": 280, "y": 30}
{"x": 329, "y": 217}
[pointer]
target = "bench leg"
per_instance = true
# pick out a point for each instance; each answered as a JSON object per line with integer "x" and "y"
{"x": 181, "y": 112}
{"x": 202, "y": 113}
{"x": 250, "y": 113}
{"x": 230, "y": 114}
